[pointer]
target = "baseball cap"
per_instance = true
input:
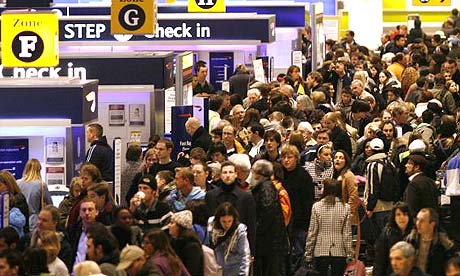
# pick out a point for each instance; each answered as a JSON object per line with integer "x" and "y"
{"x": 183, "y": 218}
{"x": 376, "y": 144}
{"x": 148, "y": 180}
{"x": 128, "y": 255}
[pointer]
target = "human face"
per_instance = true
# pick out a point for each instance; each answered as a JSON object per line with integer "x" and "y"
{"x": 401, "y": 219}
{"x": 289, "y": 161}
{"x": 162, "y": 152}
{"x": 400, "y": 264}
{"x": 329, "y": 124}
{"x": 322, "y": 138}
{"x": 202, "y": 74}
{"x": 90, "y": 136}
{"x": 199, "y": 175}
{"x": 316, "y": 127}
{"x": 150, "y": 160}
{"x": 410, "y": 168}
{"x": 228, "y": 134}
{"x": 147, "y": 246}
{"x": 252, "y": 98}
{"x": 45, "y": 221}
{"x": 382, "y": 78}
{"x": 368, "y": 149}
{"x": 215, "y": 138}
{"x": 125, "y": 218}
{"x": 357, "y": 89}
{"x": 388, "y": 131}
{"x": 451, "y": 68}
{"x": 91, "y": 253}
{"x": 226, "y": 222}
{"x": 348, "y": 37}
{"x": 88, "y": 212}
{"x": 310, "y": 81}
{"x": 339, "y": 161}
{"x": 3, "y": 187}
{"x": 305, "y": 134}
{"x": 325, "y": 154}
{"x": 149, "y": 193}
{"x": 295, "y": 74}
{"x": 452, "y": 271}
{"x": 386, "y": 116}
{"x": 100, "y": 200}
{"x": 181, "y": 182}
{"x": 239, "y": 113}
{"x": 346, "y": 98}
{"x": 402, "y": 118}
{"x": 76, "y": 190}
{"x": 228, "y": 174}
{"x": 271, "y": 145}
{"x": 401, "y": 42}
{"x": 218, "y": 157}
{"x": 6, "y": 270}
{"x": 86, "y": 181}
{"x": 453, "y": 87}
{"x": 373, "y": 71}
{"x": 173, "y": 229}
{"x": 391, "y": 96}
{"x": 423, "y": 223}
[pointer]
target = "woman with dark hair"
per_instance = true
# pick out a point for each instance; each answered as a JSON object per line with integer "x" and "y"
{"x": 200, "y": 213}
{"x": 329, "y": 236}
{"x": 343, "y": 174}
{"x": 230, "y": 242}
{"x": 358, "y": 166}
{"x": 386, "y": 82}
{"x": 251, "y": 116}
{"x": 124, "y": 229}
{"x": 100, "y": 193}
{"x": 186, "y": 243}
{"x": 17, "y": 201}
{"x": 398, "y": 227}
{"x": 293, "y": 73}
{"x": 320, "y": 168}
{"x": 36, "y": 261}
{"x": 157, "y": 247}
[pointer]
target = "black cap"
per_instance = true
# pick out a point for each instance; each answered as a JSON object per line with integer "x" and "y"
{"x": 148, "y": 180}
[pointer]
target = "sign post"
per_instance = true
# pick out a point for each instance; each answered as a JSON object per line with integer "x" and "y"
{"x": 30, "y": 39}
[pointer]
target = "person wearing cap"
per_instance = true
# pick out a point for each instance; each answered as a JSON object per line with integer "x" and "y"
{"x": 147, "y": 209}
{"x": 134, "y": 262}
{"x": 376, "y": 209}
{"x": 421, "y": 191}
{"x": 184, "y": 191}
{"x": 186, "y": 243}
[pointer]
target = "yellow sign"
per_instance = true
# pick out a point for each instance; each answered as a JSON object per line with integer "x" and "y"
{"x": 30, "y": 39}
{"x": 431, "y": 2}
{"x": 206, "y": 6}
{"x": 133, "y": 17}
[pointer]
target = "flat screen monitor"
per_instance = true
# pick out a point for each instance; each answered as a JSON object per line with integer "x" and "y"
{"x": 14, "y": 154}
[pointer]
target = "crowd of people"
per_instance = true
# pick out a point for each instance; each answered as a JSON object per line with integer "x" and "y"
{"x": 288, "y": 176}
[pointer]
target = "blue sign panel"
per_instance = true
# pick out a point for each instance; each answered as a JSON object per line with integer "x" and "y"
{"x": 221, "y": 67}
{"x": 181, "y": 139}
{"x": 14, "y": 154}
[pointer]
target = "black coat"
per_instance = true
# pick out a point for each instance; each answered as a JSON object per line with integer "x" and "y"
{"x": 414, "y": 272}
{"x": 341, "y": 140}
{"x": 188, "y": 248}
{"x": 386, "y": 240}
{"x": 420, "y": 193}
{"x": 243, "y": 202}
{"x": 201, "y": 139}
{"x": 271, "y": 234}
{"x": 100, "y": 154}
{"x": 299, "y": 185}
{"x": 239, "y": 84}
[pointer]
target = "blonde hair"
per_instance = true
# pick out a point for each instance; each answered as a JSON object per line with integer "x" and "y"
{"x": 86, "y": 268}
{"x": 32, "y": 171}
{"x": 336, "y": 118}
{"x": 8, "y": 179}
{"x": 50, "y": 242}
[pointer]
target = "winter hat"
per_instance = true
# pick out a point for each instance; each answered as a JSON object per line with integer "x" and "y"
{"x": 183, "y": 218}
{"x": 417, "y": 146}
{"x": 148, "y": 180}
{"x": 376, "y": 144}
{"x": 128, "y": 255}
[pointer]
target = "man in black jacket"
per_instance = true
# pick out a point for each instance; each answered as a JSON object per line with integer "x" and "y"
{"x": 102, "y": 249}
{"x": 99, "y": 153}
{"x": 421, "y": 191}
{"x": 200, "y": 137}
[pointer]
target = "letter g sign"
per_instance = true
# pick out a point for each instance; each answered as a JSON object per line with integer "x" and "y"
{"x": 131, "y": 17}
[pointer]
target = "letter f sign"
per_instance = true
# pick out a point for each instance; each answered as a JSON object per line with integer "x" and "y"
{"x": 27, "y": 46}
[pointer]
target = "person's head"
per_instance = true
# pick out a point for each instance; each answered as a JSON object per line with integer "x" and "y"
{"x": 342, "y": 161}
{"x": 306, "y": 129}
{"x": 453, "y": 266}
{"x": 256, "y": 132}
{"x": 357, "y": 86}
{"x": 228, "y": 172}
{"x": 360, "y": 108}
{"x": 200, "y": 173}
{"x": 49, "y": 241}
{"x": 400, "y": 114}
{"x": 148, "y": 185}
{"x": 402, "y": 257}
{"x": 89, "y": 175}
{"x": 197, "y": 155}
{"x": 163, "y": 150}
{"x": 253, "y": 95}
{"x": 324, "y": 153}
{"x": 100, "y": 242}
{"x": 384, "y": 76}
{"x": 180, "y": 222}
{"x": 200, "y": 211}
{"x": 427, "y": 221}
{"x": 415, "y": 164}
{"x": 217, "y": 152}
{"x": 400, "y": 40}
{"x": 100, "y": 193}
{"x": 376, "y": 145}
{"x": 289, "y": 157}
{"x": 32, "y": 170}
{"x": 132, "y": 259}
{"x": 388, "y": 129}
{"x": 331, "y": 188}
{"x": 261, "y": 170}
{"x": 216, "y": 102}
{"x": 150, "y": 157}
{"x": 314, "y": 78}
{"x": 86, "y": 268}
{"x": 201, "y": 72}
{"x": 164, "y": 177}
{"x": 88, "y": 212}
{"x": 347, "y": 96}
{"x": 133, "y": 153}
{"x": 8, "y": 183}
{"x": 36, "y": 261}
{"x": 123, "y": 217}
{"x": 294, "y": 72}
{"x": 191, "y": 125}
{"x": 242, "y": 165}
{"x": 75, "y": 187}
{"x": 48, "y": 218}
{"x": 228, "y": 134}
{"x": 9, "y": 238}
{"x": 451, "y": 66}
{"x": 11, "y": 263}
{"x": 226, "y": 217}
{"x": 156, "y": 242}
{"x": 184, "y": 180}
{"x": 349, "y": 36}
{"x": 94, "y": 132}
{"x": 238, "y": 112}
{"x": 331, "y": 120}
{"x": 272, "y": 140}
{"x": 400, "y": 217}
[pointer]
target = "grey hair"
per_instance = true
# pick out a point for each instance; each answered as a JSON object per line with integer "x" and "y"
{"x": 358, "y": 82}
{"x": 406, "y": 248}
{"x": 305, "y": 101}
{"x": 263, "y": 167}
{"x": 241, "y": 161}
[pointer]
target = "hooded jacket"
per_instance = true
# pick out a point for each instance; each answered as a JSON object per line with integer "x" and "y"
{"x": 100, "y": 154}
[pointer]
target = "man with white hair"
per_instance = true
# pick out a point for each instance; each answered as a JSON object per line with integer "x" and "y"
{"x": 200, "y": 137}
{"x": 357, "y": 86}
{"x": 402, "y": 257}
{"x": 243, "y": 170}
{"x": 252, "y": 98}
{"x": 288, "y": 91}
{"x": 307, "y": 132}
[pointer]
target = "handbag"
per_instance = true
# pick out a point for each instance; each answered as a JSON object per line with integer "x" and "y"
{"x": 356, "y": 267}
{"x": 305, "y": 270}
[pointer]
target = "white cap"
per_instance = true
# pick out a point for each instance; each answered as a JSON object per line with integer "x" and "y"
{"x": 376, "y": 144}
{"x": 417, "y": 145}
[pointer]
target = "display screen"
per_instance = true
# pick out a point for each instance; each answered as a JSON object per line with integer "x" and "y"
{"x": 14, "y": 154}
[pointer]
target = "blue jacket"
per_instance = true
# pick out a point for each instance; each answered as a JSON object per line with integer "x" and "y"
{"x": 177, "y": 201}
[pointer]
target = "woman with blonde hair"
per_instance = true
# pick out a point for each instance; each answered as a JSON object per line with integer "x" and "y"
{"x": 87, "y": 268}
{"x": 35, "y": 190}
{"x": 69, "y": 200}
{"x": 49, "y": 241}
{"x": 17, "y": 198}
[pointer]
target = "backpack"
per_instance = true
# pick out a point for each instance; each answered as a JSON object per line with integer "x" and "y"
{"x": 389, "y": 181}
{"x": 211, "y": 267}
{"x": 284, "y": 202}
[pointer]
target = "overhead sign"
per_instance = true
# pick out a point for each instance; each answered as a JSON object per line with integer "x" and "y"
{"x": 431, "y": 2}
{"x": 133, "y": 17}
{"x": 206, "y": 6}
{"x": 30, "y": 39}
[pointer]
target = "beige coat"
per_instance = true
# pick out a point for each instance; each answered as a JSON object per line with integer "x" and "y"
{"x": 350, "y": 194}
